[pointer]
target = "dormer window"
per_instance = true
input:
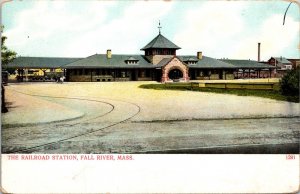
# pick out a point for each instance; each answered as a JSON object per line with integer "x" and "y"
{"x": 191, "y": 61}
{"x": 131, "y": 61}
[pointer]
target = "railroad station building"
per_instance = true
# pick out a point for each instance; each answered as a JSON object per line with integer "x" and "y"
{"x": 159, "y": 62}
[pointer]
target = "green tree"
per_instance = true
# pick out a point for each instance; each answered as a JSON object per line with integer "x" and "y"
{"x": 289, "y": 85}
{"x": 7, "y": 55}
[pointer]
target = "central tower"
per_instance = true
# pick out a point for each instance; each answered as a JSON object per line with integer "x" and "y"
{"x": 159, "y": 48}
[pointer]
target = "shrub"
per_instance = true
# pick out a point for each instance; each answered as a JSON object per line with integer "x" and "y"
{"x": 289, "y": 84}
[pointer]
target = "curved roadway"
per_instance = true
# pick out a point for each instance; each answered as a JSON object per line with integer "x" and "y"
{"x": 122, "y": 118}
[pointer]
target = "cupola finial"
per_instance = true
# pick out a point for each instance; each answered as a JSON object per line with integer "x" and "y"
{"x": 159, "y": 27}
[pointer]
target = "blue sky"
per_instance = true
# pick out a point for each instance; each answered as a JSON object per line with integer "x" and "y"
{"x": 220, "y": 29}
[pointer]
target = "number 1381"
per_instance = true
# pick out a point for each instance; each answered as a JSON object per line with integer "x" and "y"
{"x": 290, "y": 157}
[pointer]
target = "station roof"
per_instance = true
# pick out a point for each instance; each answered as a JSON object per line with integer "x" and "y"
{"x": 120, "y": 61}
{"x": 40, "y": 62}
{"x": 247, "y": 64}
{"x": 160, "y": 42}
{"x": 131, "y": 59}
{"x": 116, "y": 61}
{"x": 207, "y": 63}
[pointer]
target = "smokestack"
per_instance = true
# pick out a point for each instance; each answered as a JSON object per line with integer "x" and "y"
{"x": 199, "y": 55}
{"x": 258, "y": 54}
{"x": 108, "y": 54}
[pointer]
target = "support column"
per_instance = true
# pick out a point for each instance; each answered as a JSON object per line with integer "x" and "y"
{"x": 136, "y": 75}
{"x": 164, "y": 76}
{"x": 26, "y": 75}
{"x": 22, "y": 75}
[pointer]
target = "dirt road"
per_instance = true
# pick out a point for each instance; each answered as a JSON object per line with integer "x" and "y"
{"x": 122, "y": 118}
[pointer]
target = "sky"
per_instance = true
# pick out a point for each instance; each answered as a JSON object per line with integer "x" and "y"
{"x": 220, "y": 29}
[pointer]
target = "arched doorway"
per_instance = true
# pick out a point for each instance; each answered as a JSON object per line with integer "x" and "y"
{"x": 175, "y": 74}
{"x": 175, "y": 70}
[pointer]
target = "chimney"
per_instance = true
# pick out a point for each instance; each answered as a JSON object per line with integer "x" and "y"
{"x": 258, "y": 54}
{"x": 199, "y": 55}
{"x": 108, "y": 54}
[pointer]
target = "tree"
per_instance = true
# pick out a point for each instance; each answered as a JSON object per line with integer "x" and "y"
{"x": 289, "y": 85}
{"x": 7, "y": 55}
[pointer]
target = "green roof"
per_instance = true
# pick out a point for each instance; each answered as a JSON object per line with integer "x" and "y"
{"x": 40, "y": 62}
{"x": 164, "y": 61}
{"x": 248, "y": 64}
{"x": 207, "y": 63}
{"x": 131, "y": 59}
{"x": 116, "y": 61}
{"x": 194, "y": 59}
{"x": 120, "y": 61}
{"x": 160, "y": 42}
{"x": 282, "y": 60}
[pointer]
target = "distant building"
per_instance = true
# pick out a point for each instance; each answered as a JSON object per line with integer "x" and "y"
{"x": 282, "y": 65}
{"x": 280, "y": 62}
{"x": 295, "y": 63}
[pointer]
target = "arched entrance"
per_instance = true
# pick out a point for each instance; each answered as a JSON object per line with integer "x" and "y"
{"x": 175, "y": 70}
{"x": 175, "y": 74}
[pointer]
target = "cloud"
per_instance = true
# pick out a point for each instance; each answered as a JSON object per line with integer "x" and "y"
{"x": 274, "y": 37}
{"x": 218, "y": 28}
{"x": 55, "y": 29}
{"x": 211, "y": 28}
{"x": 125, "y": 34}
{"x": 48, "y": 27}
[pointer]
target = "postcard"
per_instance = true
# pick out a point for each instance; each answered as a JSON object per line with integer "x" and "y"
{"x": 150, "y": 96}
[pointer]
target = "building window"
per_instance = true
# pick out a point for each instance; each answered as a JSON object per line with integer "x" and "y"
{"x": 214, "y": 71}
{"x": 147, "y": 73}
{"x": 103, "y": 72}
{"x": 131, "y": 62}
{"x": 169, "y": 52}
{"x": 206, "y": 73}
{"x": 288, "y": 66}
{"x": 201, "y": 73}
{"x": 192, "y": 62}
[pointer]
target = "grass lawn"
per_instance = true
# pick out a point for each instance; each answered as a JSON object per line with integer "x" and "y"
{"x": 239, "y": 92}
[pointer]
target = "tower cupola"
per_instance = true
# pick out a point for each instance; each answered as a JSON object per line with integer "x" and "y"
{"x": 160, "y": 47}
